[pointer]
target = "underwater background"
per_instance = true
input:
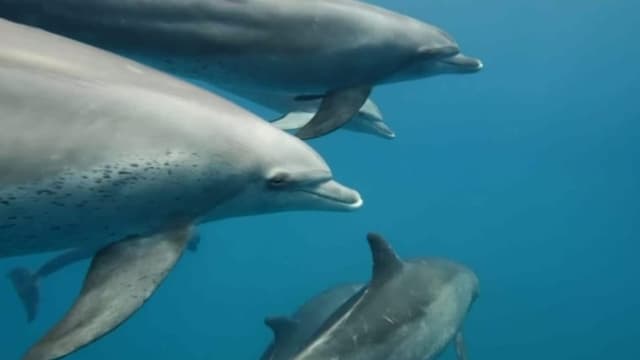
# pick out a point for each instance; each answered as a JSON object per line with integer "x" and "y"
{"x": 528, "y": 172}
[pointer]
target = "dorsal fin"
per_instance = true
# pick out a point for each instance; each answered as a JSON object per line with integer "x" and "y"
{"x": 386, "y": 262}
{"x": 281, "y": 326}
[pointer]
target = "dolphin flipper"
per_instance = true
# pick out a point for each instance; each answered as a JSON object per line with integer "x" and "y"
{"x": 25, "y": 284}
{"x": 461, "y": 349}
{"x": 122, "y": 276}
{"x": 336, "y": 109}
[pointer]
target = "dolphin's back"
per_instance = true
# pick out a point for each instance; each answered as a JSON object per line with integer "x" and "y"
{"x": 89, "y": 139}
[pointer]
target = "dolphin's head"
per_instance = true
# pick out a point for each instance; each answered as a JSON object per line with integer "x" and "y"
{"x": 432, "y": 51}
{"x": 456, "y": 64}
{"x": 467, "y": 286}
{"x": 369, "y": 120}
{"x": 286, "y": 174}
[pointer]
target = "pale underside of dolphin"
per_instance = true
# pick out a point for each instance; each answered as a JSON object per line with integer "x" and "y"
{"x": 410, "y": 310}
{"x": 97, "y": 151}
{"x": 338, "y": 49}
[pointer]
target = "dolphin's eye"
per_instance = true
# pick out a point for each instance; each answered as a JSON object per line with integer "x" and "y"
{"x": 278, "y": 180}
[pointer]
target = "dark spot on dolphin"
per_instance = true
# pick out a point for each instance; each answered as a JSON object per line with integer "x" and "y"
{"x": 56, "y": 203}
{"x": 12, "y": 197}
{"x": 85, "y": 177}
{"x": 12, "y": 217}
{"x": 134, "y": 165}
{"x": 4, "y": 202}
{"x": 6, "y": 226}
{"x": 45, "y": 192}
{"x": 122, "y": 172}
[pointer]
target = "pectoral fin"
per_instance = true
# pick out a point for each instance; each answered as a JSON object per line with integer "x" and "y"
{"x": 122, "y": 276}
{"x": 461, "y": 349}
{"x": 25, "y": 284}
{"x": 293, "y": 120}
{"x": 336, "y": 109}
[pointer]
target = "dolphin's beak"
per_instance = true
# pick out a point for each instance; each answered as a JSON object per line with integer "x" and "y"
{"x": 437, "y": 53}
{"x": 463, "y": 63}
{"x": 336, "y": 196}
{"x": 384, "y": 130}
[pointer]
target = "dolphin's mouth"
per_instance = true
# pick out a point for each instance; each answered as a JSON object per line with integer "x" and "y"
{"x": 438, "y": 53}
{"x": 337, "y": 196}
{"x": 463, "y": 63}
{"x": 385, "y": 131}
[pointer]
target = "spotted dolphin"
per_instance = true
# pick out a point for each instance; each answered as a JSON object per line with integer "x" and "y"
{"x": 336, "y": 49}
{"x": 99, "y": 151}
{"x": 410, "y": 310}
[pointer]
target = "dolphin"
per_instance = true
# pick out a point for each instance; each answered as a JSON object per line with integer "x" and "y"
{"x": 335, "y": 49}
{"x": 290, "y": 333}
{"x": 26, "y": 283}
{"x": 98, "y": 151}
{"x": 367, "y": 120}
{"x": 299, "y": 109}
{"x": 410, "y": 310}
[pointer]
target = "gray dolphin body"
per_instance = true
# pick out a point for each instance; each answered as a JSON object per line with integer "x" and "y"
{"x": 336, "y": 49}
{"x": 410, "y": 310}
{"x": 97, "y": 151}
{"x": 291, "y": 333}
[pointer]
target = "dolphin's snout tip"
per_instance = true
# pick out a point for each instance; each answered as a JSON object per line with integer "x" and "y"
{"x": 338, "y": 197}
{"x": 354, "y": 200}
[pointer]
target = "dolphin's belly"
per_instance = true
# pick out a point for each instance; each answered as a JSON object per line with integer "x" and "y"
{"x": 105, "y": 203}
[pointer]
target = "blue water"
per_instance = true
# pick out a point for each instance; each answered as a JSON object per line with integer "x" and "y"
{"x": 527, "y": 172}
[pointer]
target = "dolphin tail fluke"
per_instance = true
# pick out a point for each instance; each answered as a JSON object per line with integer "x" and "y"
{"x": 293, "y": 120}
{"x": 336, "y": 109}
{"x": 121, "y": 278}
{"x": 25, "y": 284}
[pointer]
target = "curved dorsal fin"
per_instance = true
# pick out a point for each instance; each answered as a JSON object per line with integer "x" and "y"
{"x": 386, "y": 262}
{"x": 281, "y": 326}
